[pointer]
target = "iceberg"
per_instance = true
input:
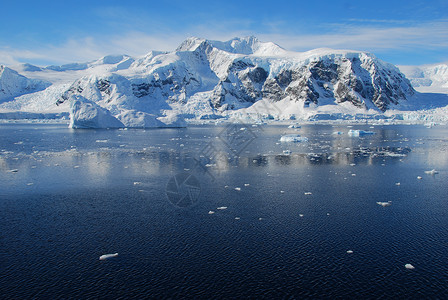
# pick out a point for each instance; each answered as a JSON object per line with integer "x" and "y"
{"x": 87, "y": 114}
{"x": 384, "y": 204}
{"x": 295, "y": 138}
{"x": 106, "y": 256}
{"x": 352, "y": 132}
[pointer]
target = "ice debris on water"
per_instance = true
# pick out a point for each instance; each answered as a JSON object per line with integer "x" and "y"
{"x": 222, "y": 207}
{"x": 384, "y": 204}
{"x": 353, "y": 132}
{"x": 338, "y": 132}
{"x": 237, "y": 189}
{"x": 107, "y": 256}
{"x": 350, "y": 251}
{"x": 246, "y": 184}
{"x": 294, "y": 126}
{"x": 301, "y": 215}
{"x": 295, "y": 138}
{"x": 419, "y": 177}
{"x": 308, "y": 193}
{"x": 211, "y": 212}
{"x": 409, "y": 266}
{"x": 13, "y": 171}
{"x": 432, "y": 172}
{"x": 397, "y": 183}
{"x": 237, "y": 218}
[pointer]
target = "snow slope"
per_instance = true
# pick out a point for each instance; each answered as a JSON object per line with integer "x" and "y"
{"x": 428, "y": 78}
{"x": 12, "y": 84}
{"x": 205, "y": 79}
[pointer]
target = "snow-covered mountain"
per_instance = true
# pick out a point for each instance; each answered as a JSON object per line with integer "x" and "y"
{"x": 210, "y": 79}
{"x": 428, "y": 78}
{"x": 12, "y": 84}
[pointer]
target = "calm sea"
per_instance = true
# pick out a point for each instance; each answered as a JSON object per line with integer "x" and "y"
{"x": 223, "y": 212}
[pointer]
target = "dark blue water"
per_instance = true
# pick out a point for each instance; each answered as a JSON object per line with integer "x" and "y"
{"x": 67, "y": 197}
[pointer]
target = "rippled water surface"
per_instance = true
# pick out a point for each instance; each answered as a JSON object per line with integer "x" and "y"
{"x": 288, "y": 212}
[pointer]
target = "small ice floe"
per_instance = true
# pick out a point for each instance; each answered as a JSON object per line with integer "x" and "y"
{"x": 30, "y": 183}
{"x": 237, "y": 189}
{"x": 13, "y": 171}
{"x": 246, "y": 184}
{"x": 101, "y": 141}
{"x": 243, "y": 128}
{"x": 352, "y": 165}
{"x": 107, "y": 256}
{"x": 397, "y": 183}
{"x": 308, "y": 193}
{"x": 226, "y": 186}
{"x": 211, "y": 212}
{"x": 222, "y": 207}
{"x": 294, "y": 126}
{"x": 409, "y": 266}
{"x": 419, "y": 177}
{"x": 137, "y": 183}
{"x": 286, "y": 152}
{"x": 384, "y": 204}
{"x": 353, "y": 174}
{"x": 260, "y": 219}
{"x": 349, "y": 251}
{"x": 353, "y": 132}
{"x": 295, "y": 138}
{"x": 301, "y": 215}
{"x": 432, "y": 172}
{"x": 75, "y": 167}
{"x": 282, "y": 192}
{"x": 328, "y": 214}
{"x": 237, "y": 218}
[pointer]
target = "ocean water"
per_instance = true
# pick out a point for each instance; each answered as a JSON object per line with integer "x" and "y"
{"x": 288, "y": 212}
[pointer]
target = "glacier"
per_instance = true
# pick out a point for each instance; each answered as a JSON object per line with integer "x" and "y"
{"x": 241, "y": 79}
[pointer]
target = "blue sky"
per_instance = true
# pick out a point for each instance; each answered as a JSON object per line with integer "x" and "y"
{"x": 55, "y": 32}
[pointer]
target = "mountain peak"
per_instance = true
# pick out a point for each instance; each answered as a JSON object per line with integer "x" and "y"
{"x": 249, "y": 45}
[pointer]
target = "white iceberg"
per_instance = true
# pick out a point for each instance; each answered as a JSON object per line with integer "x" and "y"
{"x": 107, "y": 256}
{"x": 355, "y": 132}
{"x": 87, "y": 114}
{"x": 432, "y": 172}
{"x": 384, "y": 204}
{"x": 293, "y": 138}
{"x": 409, "y": 266}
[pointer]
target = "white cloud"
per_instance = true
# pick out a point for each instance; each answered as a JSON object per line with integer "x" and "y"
{"x": 433, "y": 35}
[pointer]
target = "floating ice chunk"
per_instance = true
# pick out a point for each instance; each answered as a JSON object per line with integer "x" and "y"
{"x": 419, "y": 177}
{"x": 211, "y": 212}
{"x": 350, "y": 251}
{"x": 282, "y": 192}
{"x": 295, "y": 138}
{"x": 328, "y": 214}
{"x": 30, "y": 183}
{"x": 352, "y": 132}
{"x": 237, "y": 218}
{"x": 384, "y": 204}
{"x": 237, "y": 189}
{"x": 101, "y": 141}
{"x": 246, "y": 184}
{"x": 301, "y": 215}
{"x": 409, "y": 266}
{"x": 352, "y": 165}
{"x": 294, "y": 126}
{"x": 338, "y": 132}
{"x": 14, "y": 171}
{"x": 397, "y": 183}
{"x": 222, "y": 207}
{"x": 260, "y": 219}
{"x": 106, "y": 256}
{"x": 308, "y": 193}
{"x": 137, "y": 183}
{"x": 432, "y": 172}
